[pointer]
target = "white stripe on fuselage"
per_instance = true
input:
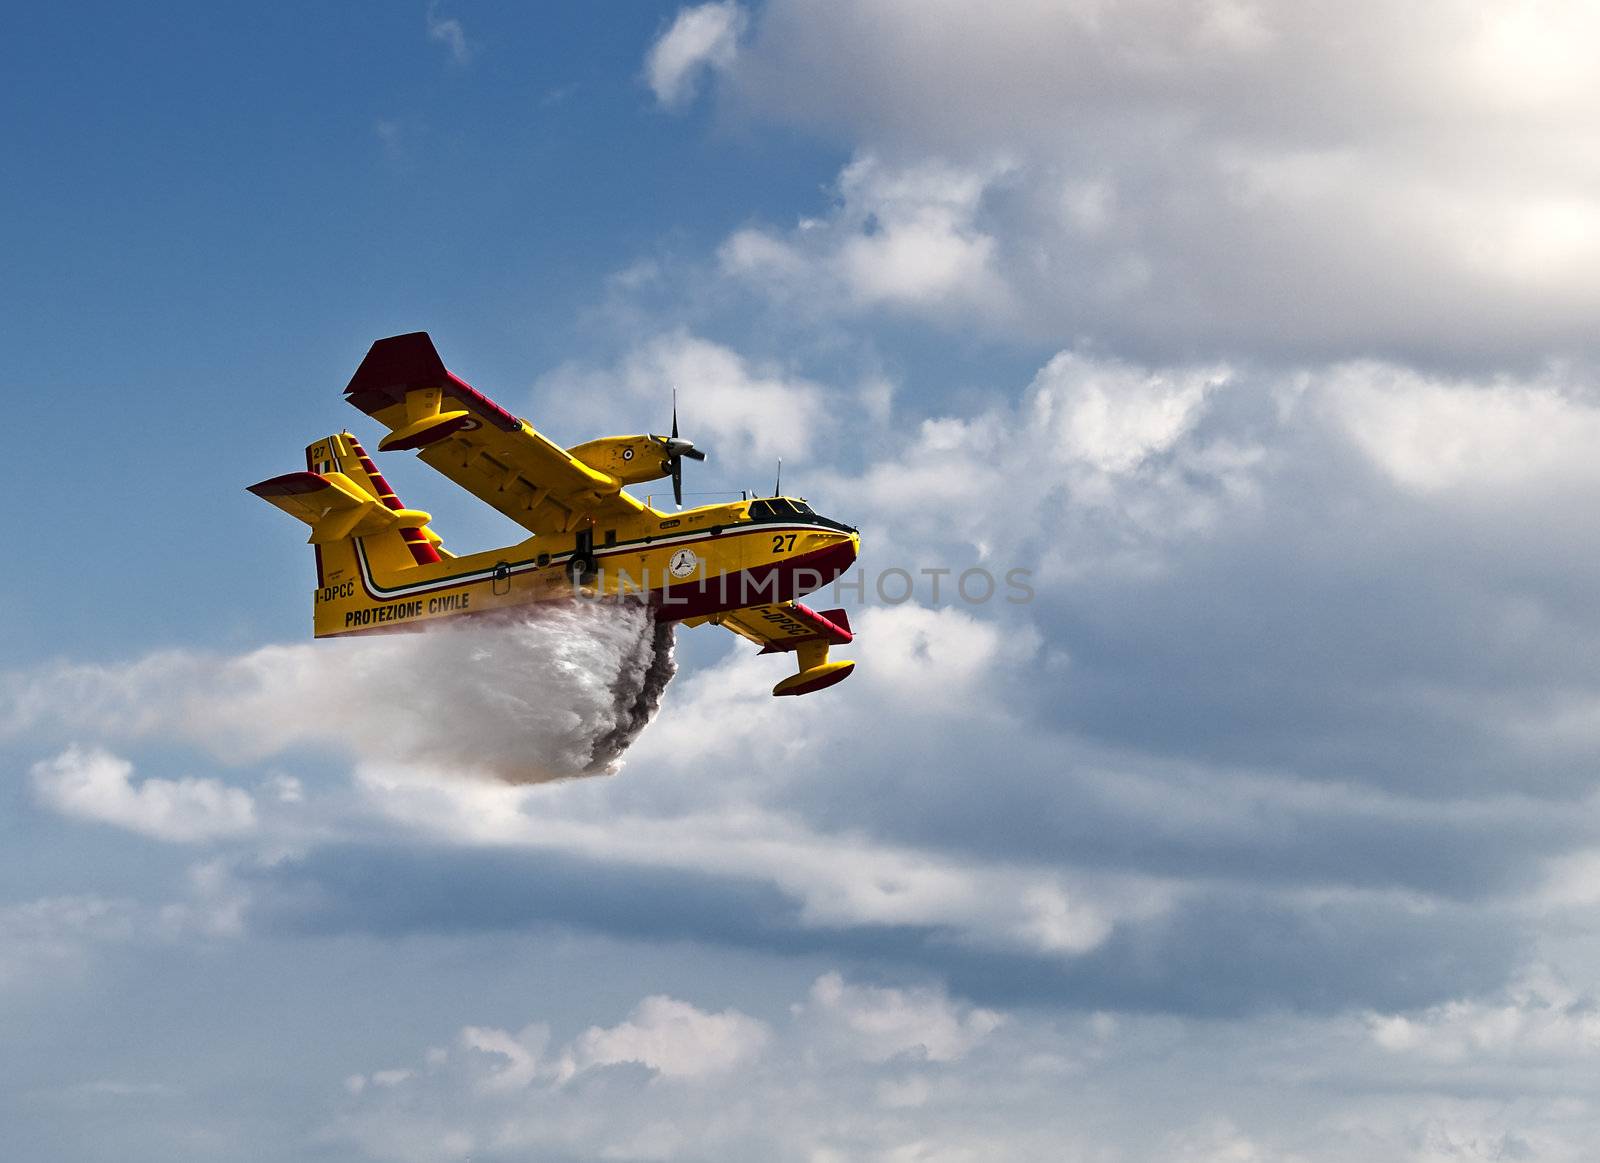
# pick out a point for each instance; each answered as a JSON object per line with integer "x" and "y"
{"x": 370, "y": 584}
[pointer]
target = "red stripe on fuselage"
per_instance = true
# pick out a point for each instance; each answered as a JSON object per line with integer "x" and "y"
{"x": 778, "y": 581}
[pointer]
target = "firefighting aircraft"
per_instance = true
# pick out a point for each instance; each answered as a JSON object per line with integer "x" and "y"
{"x": 380, "y": 567}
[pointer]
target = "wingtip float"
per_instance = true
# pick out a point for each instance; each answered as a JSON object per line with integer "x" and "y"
{"x": 739, "y": 564}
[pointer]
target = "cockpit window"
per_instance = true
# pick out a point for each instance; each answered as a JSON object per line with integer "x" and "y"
{"x": 778, "y": 509}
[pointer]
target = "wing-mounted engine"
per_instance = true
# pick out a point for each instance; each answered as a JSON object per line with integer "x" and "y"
{"x": 630, "y": 459}
{"x": 635, "y": 459}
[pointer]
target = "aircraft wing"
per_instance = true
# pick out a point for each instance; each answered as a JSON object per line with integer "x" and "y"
{"x": 783, "y": 626}
{"x": 498, "y": 458}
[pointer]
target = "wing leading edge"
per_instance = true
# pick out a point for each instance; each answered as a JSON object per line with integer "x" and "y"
{"x": 502, "y": 460}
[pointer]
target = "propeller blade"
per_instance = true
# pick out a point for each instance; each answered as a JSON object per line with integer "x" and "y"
{"x": 677, "y": 448}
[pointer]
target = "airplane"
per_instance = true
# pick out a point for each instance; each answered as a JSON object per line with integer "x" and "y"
{"x": 380, "y": 567}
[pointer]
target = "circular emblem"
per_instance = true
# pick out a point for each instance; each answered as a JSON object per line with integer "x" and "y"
{"x": 683, "y": 563}
{"x": 627, "y": 454}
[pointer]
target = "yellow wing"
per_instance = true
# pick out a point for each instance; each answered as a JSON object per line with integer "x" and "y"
{"x": 498, "y": 458}
{"x": 790, "y": 626}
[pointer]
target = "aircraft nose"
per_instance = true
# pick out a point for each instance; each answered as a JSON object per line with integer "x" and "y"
{"x": 841, "y": 550}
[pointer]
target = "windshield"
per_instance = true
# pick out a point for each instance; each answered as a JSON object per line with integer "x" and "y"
{"x": 778, "y": 509}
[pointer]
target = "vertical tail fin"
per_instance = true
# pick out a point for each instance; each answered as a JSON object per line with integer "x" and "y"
{"x": 361, "y": 533}
{"x": 343, "y": 453}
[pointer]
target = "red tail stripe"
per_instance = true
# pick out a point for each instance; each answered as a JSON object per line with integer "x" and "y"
{"x": 422, "y": 550}
{"x": 386, "y": 494}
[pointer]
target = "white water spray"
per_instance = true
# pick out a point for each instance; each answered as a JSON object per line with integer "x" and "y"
{"x": 555, "y": 692}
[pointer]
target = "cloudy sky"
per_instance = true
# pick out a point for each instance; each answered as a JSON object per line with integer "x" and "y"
{"x": 1259, "y": 335}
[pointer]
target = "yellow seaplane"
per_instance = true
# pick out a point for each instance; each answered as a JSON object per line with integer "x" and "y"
{"x": 380, "y": 567}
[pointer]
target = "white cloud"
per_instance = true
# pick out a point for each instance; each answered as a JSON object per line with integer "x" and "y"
{"x": 1219, "y": 1141}
{"x": 91, "y": 784}
{"x": 700, "y": 38}
{"x": 730, "y": 1085}
{"x": 838, "y": 880}
{"x": 214, "y": 904}
{"x": 901, "y": 237}
{"x": 40, "y": 939}
{"x": 1102, "y": 455}
{"x": 1541, "y": 1019}
{"x": 745, "y": 414}
{"x": 1121, "y": 462}
{"x": 447, "y": 30}
{"x": 1572, "y": 879}
{"x": 56, "y": 940}
{"x": 877, "y": 1024}
{"x": 938, "y": 660}
{"x": 1113, "y": 417}
{"x": 510, "y": 1062}
{"x": 674, "y": 1039}
{"x": 889, "y": 1072}
{"x": 411, "y": 774}
{"x": 392, "y": 137}
{"x": 1224, "y": 176}
{"x": 1432, "y": 434}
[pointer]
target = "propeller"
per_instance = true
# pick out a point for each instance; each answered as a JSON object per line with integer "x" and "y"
{"x": 678, "y": 448}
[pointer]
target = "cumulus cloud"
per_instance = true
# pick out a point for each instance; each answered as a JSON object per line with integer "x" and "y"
{"x": 497, "y": 1092}
{"x": 494, "y": 697}
{"x": 674, "y": 1039}
{"x": 91, "y": 784}
{"x": 1221, "y": 176}
{"x": 1540, "y": 1019}
{"x": 1491, "y": 437}
{"x": 835, "y": 880}
{"x": 900, "y": 237}
{"x": 1105, "y": 454}
{"x": 745, "y": 413}
{"x": 702, "y": 38}
{"x": 1297, "y": 733}
{"x": 1137, "y": 791}
{"x": 878, "y": 1023}
{"x": 864, "y": 1071}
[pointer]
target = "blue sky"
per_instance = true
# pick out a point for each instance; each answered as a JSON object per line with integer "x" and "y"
{"x": 1260, "y": 337}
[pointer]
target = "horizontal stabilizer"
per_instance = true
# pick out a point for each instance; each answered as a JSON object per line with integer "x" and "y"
{"x": 335, "y": 506}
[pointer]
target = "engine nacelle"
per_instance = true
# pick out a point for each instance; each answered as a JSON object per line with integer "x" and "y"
{"x": 630, "y": 459}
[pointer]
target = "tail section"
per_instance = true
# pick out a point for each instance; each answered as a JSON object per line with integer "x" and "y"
{"x": 342, "y": 453}
{"x": 359, "y": 529}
